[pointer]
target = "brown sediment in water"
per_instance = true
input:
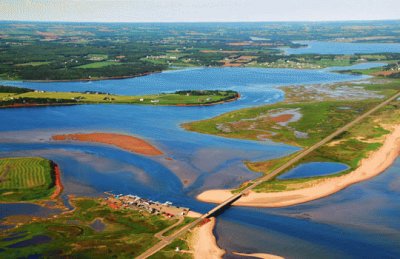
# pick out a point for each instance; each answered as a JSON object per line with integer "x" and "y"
{"x": 125, "y": 142}
{"x": 282, "y": 118}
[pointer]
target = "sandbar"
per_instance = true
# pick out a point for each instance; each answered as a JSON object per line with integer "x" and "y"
{"x": 260, "y": 255}
{"x": 125, "y": 142}
{"x": 203, "y": 242}
{"x": 376, "y": 163}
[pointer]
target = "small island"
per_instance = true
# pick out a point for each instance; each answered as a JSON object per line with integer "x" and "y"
{"x": 11, "y": 97}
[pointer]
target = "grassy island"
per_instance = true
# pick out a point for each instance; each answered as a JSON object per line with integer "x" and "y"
{"x": 27, "y": 179}
{"x": 22, "y": 97}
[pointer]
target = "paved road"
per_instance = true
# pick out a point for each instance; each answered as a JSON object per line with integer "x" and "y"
{"x": 167, "y": 240}
{"x": 160, "y": 235}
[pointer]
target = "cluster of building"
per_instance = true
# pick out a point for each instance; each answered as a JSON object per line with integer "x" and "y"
{"x": 138, "y": 203}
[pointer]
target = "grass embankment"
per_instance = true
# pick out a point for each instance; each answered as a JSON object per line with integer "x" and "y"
{"x": 124, "y": 233}
{"x": 26, "y": 179}
{"x": 13, "y": 96}
{"x": 318, "y": 120}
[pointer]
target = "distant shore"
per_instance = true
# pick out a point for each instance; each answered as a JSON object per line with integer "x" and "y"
{"x": 377, "y": 162}
{"x": 89, "y": 79}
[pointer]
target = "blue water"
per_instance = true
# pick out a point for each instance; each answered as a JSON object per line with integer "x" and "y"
{"x": 199, "y": 162}
{"x": 313, "y": 169}
{"x": 343, "y": 48}
{"x": 361, "y": 221}
{"x": 357, "y": 66}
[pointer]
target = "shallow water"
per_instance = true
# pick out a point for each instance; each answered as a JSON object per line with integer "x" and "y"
{"x": 358, "y": 222}
{"x": 313, "y": 169}
{"x": 199, "y": 162}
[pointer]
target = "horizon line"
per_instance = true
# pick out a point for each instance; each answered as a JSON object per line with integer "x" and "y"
{"x": 256, "y": 21}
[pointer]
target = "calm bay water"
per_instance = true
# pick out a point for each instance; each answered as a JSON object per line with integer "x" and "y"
{"x": 199, "y": 162}
{"x": 313, "y": 169}
{"x": 344, "y": 48}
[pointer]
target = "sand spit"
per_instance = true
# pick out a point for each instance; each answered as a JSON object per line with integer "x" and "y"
{"x": 259, "y": 255}
{"x": 376, "y": 163}
{"x": 126, "y": 142}
{"x": 203, "y": 242}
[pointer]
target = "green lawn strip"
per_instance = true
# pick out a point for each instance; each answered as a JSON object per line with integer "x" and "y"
{"x": 191, "y": 97}
{"x": 100, "y": 64}
{"x": 26, "y": 179}
{"x": 127, "y": 233}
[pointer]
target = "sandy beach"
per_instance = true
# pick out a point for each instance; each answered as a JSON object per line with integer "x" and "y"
{"x": 126, "y": 142}
{"x": 259, "y": 255}
{"x": 376, "y": 163}
{"x": 203, "y": 242}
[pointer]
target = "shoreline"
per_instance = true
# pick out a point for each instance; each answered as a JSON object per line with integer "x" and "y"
{"x": 203, "y": 242}
{"x": 90, "y": 79}
{"x": 376, "y": 163}
{"x": 58, "y": 183}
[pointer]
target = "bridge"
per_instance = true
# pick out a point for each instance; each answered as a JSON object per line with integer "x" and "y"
{"x": 228, "y": 202}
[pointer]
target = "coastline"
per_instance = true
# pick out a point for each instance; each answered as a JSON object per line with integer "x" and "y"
{"x": 58, "y": 183}
{"x": 376, "y": 163}
{"x": 92, "y": 79}
{"x": 203, "y": 242}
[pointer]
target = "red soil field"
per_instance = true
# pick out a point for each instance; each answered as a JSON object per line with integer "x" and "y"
{"x": 282, "y": 118}
{"x": 125, "y": 142}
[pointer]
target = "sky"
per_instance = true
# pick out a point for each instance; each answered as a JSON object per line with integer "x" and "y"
{"x": 198, "y": 10}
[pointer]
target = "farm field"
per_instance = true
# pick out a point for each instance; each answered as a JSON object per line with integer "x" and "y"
{"x": 26, "y": 179}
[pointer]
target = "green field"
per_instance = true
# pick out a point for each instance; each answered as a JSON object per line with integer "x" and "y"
{"x": 100, "y": 64}
{"x": 126, "y": 233}
{"x": 34, "y": 64}
{"x": 25, "y": 179}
